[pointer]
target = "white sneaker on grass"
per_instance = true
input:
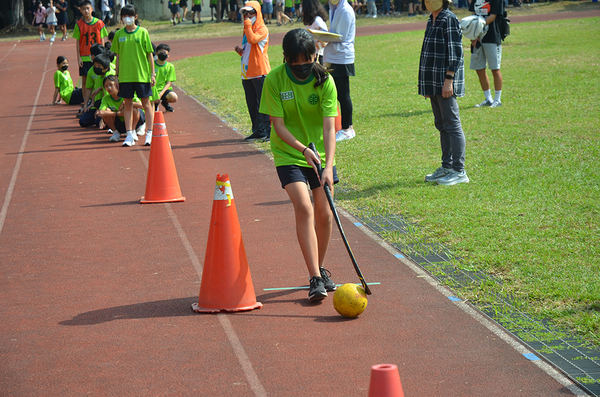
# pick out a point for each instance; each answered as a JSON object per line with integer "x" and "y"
{"x": 148, "y": 139}
{"x": 496, "y": 104}
{"x": 343, "y": 135}
{"x": 116, "y": 136}
{"x": 130, "y": 140}
{"x": 453, "y": 178}
{"x": 437, "y": 174}
{"x": 484, "y": 104}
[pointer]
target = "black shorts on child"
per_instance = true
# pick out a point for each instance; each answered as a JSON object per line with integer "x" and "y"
{"x": 87, "y": 65}
{"x": 76, "y": 97}
{"x": 127, "y": 90}
{"x": 294, "y": 173}
{"x": 120, "y": 124}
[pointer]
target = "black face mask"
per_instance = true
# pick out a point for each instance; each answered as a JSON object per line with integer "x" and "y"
{"x": 302, "y": 71}
{"x": 64, "y": 67}
{"x": 98, "y": 71}
{"x": 163, "y": 56}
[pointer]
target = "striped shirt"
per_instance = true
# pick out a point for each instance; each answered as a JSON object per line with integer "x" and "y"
{"x": 442, "y": 51}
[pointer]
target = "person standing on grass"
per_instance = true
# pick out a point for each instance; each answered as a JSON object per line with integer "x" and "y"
{"x": 197, "y": 11}
{"x": 441, "y": 79}
{"x": 488, "y": 49}
{"x": 339, "y": 59}
{"x": 300, "y": 97}
{"x": 135, "y": 69}
{"x": 255, "y": 66}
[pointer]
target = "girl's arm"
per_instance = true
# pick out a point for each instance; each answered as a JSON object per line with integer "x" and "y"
{"x": 329, "y": 141}
{"x": 56, "y": 95}
{"x": 152, "y": 72}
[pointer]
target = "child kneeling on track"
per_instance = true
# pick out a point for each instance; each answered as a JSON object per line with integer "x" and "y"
{"x": 135, "y": 68}
{"x": 301, "y": 98}
{"x": 165, "y": 75}
{"x": 64, "y": 88}
{"x": 93, "y": 94}
{"x": 112, "y": 110}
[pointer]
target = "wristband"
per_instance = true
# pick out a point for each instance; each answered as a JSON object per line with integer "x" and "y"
{"x": 304, "y": 150}
{"x": 449, "y": 77}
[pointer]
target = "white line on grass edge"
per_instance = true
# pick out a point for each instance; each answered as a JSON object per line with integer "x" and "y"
{"x": 477, "y": 315}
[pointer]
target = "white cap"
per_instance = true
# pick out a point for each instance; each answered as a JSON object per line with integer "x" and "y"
{"x": 247, "y": 8}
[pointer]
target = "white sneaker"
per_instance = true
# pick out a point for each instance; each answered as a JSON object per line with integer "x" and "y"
{"x": 343, "y": 135}
{"x": 116, "y": 136}
{"x": 53, "y": 37}
{"x": 496, "y": 104}
{"x": 148, "y": 139}
{"x": 484, "y": 104}
{"x": 129, "y": 141}
{"x": 374, "y": 16}
{"x": 141, "y": 130}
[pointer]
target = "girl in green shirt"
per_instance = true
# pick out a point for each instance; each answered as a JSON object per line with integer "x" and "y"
{"x": 63, "y": 85}
{"x": 301, "y": 98}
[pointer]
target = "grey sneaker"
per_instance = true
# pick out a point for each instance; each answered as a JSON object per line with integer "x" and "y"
{"x": 329, "y": 284}
{"x": 317, "y": 289}
{"x": 484, "y": 104}
{"x": 437, "y": 174}
{"x": 453, "y": 178}
{"x": 496, "y": 104}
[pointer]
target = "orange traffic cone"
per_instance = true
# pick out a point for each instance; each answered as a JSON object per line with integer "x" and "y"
{"x": 226, "y": 281}
{"x": 385, "y": 381}
{"x": 162, "y": 184}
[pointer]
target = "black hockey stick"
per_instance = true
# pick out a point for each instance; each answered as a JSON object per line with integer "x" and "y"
{"x": 327, "y": 190}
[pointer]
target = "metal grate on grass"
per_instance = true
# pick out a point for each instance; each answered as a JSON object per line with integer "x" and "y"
{"x": 570, "y": 354}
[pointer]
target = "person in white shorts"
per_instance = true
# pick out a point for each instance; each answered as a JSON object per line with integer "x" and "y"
{"x": 488, "y": 50}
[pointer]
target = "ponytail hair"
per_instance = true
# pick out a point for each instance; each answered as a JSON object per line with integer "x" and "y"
{"x": 298, "y": 45}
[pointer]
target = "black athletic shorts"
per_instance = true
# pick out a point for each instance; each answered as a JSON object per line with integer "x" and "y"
{"x": 87, "y": 65}
{"x": 143, "y": 90}
{"x": 294, "y": 173}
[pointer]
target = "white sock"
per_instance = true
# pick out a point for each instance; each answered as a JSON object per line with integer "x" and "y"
{"x": 130, "y": 132}
{"x": 498, "y": 95}
{"x": 148, "y": 132}
{"x": 488, "y": 95}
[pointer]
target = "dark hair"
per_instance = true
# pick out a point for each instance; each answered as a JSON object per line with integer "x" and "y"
{"x": 111, "y": 34}
{"x": 311, "y": 9}
{"x": 299, "y": 44}
{"x": 112, "y": 77}
{"x": 61, "y": 59}
{"x": 97, "y": 49}
{"x": 163, "y": 46}
{"x": 104, "y": 60}
{"x": 86, "y": 3}
{"x": 128, "y": 11}
{"x": 107, "y": 45}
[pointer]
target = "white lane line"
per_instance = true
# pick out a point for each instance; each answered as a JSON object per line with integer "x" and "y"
{"x": 9, "y": 51}
{"x": 234, "y": 341}
{"x": 15, "y": 173}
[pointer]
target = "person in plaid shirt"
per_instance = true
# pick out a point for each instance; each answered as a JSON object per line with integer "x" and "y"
{"x": 441, "y": 79}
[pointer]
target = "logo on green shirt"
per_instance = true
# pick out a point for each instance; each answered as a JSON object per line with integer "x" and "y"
{"x": 313, "y": 99}
{"x": 286, "y": 96}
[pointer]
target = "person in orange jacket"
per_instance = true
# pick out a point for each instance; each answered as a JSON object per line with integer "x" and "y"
{"x": 255, "y": 66}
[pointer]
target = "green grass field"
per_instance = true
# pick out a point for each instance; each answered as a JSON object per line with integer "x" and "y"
{"x": 531, "y": 214}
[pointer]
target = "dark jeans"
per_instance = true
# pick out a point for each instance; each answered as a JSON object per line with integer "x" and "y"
{"x": 261, "y": 124}
{"x": 452, "y": 138}
{"x": 343, "y": 92}
{"x": 89, "y": 119}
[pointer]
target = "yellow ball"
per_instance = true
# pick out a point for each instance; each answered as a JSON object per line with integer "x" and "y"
{"x": 350, "y": 300}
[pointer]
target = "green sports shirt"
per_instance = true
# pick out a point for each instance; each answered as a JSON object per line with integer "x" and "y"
{"x": 302, "y": 107}
{"x": 64, "y": 83}
{"x": 133, "y": 48}
{"x": 164, "y": 73}
{"x": 94, "y": 81}
{"x": 108, "y": 102}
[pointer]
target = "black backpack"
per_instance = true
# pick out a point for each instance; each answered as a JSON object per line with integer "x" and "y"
{"x": 504, "y": 26}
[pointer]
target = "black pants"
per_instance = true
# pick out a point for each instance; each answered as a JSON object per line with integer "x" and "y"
{"x": 343, "y": 91}
{"x": 260, "y": 121}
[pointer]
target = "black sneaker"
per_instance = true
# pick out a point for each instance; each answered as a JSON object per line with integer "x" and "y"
{"x": 256, "y": 137}
{"x": 317, "y": 289}
{"x": 329, "y": 284}
{"x": 168, "y": 107}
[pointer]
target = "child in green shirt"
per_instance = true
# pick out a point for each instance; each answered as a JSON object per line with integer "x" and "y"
{"x": 135, "y": 68}
{"x": 112, "y": 110}
{"x": 165, "y": 75}
{"x": 301, "y": 98}
{"x": 63, "y": 84}
{"x": 102, "y": 68}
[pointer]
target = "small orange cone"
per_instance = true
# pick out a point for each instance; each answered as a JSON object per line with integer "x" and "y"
{"x": 385, "y": 381}
{"x": 162, "y": 184}
{"x": 226, "y": 281}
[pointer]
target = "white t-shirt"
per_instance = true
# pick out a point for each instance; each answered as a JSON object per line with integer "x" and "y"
{"x": 319, "y": 24}
{"x": 105, "y": 6}
{"x": 51, "y": 14}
